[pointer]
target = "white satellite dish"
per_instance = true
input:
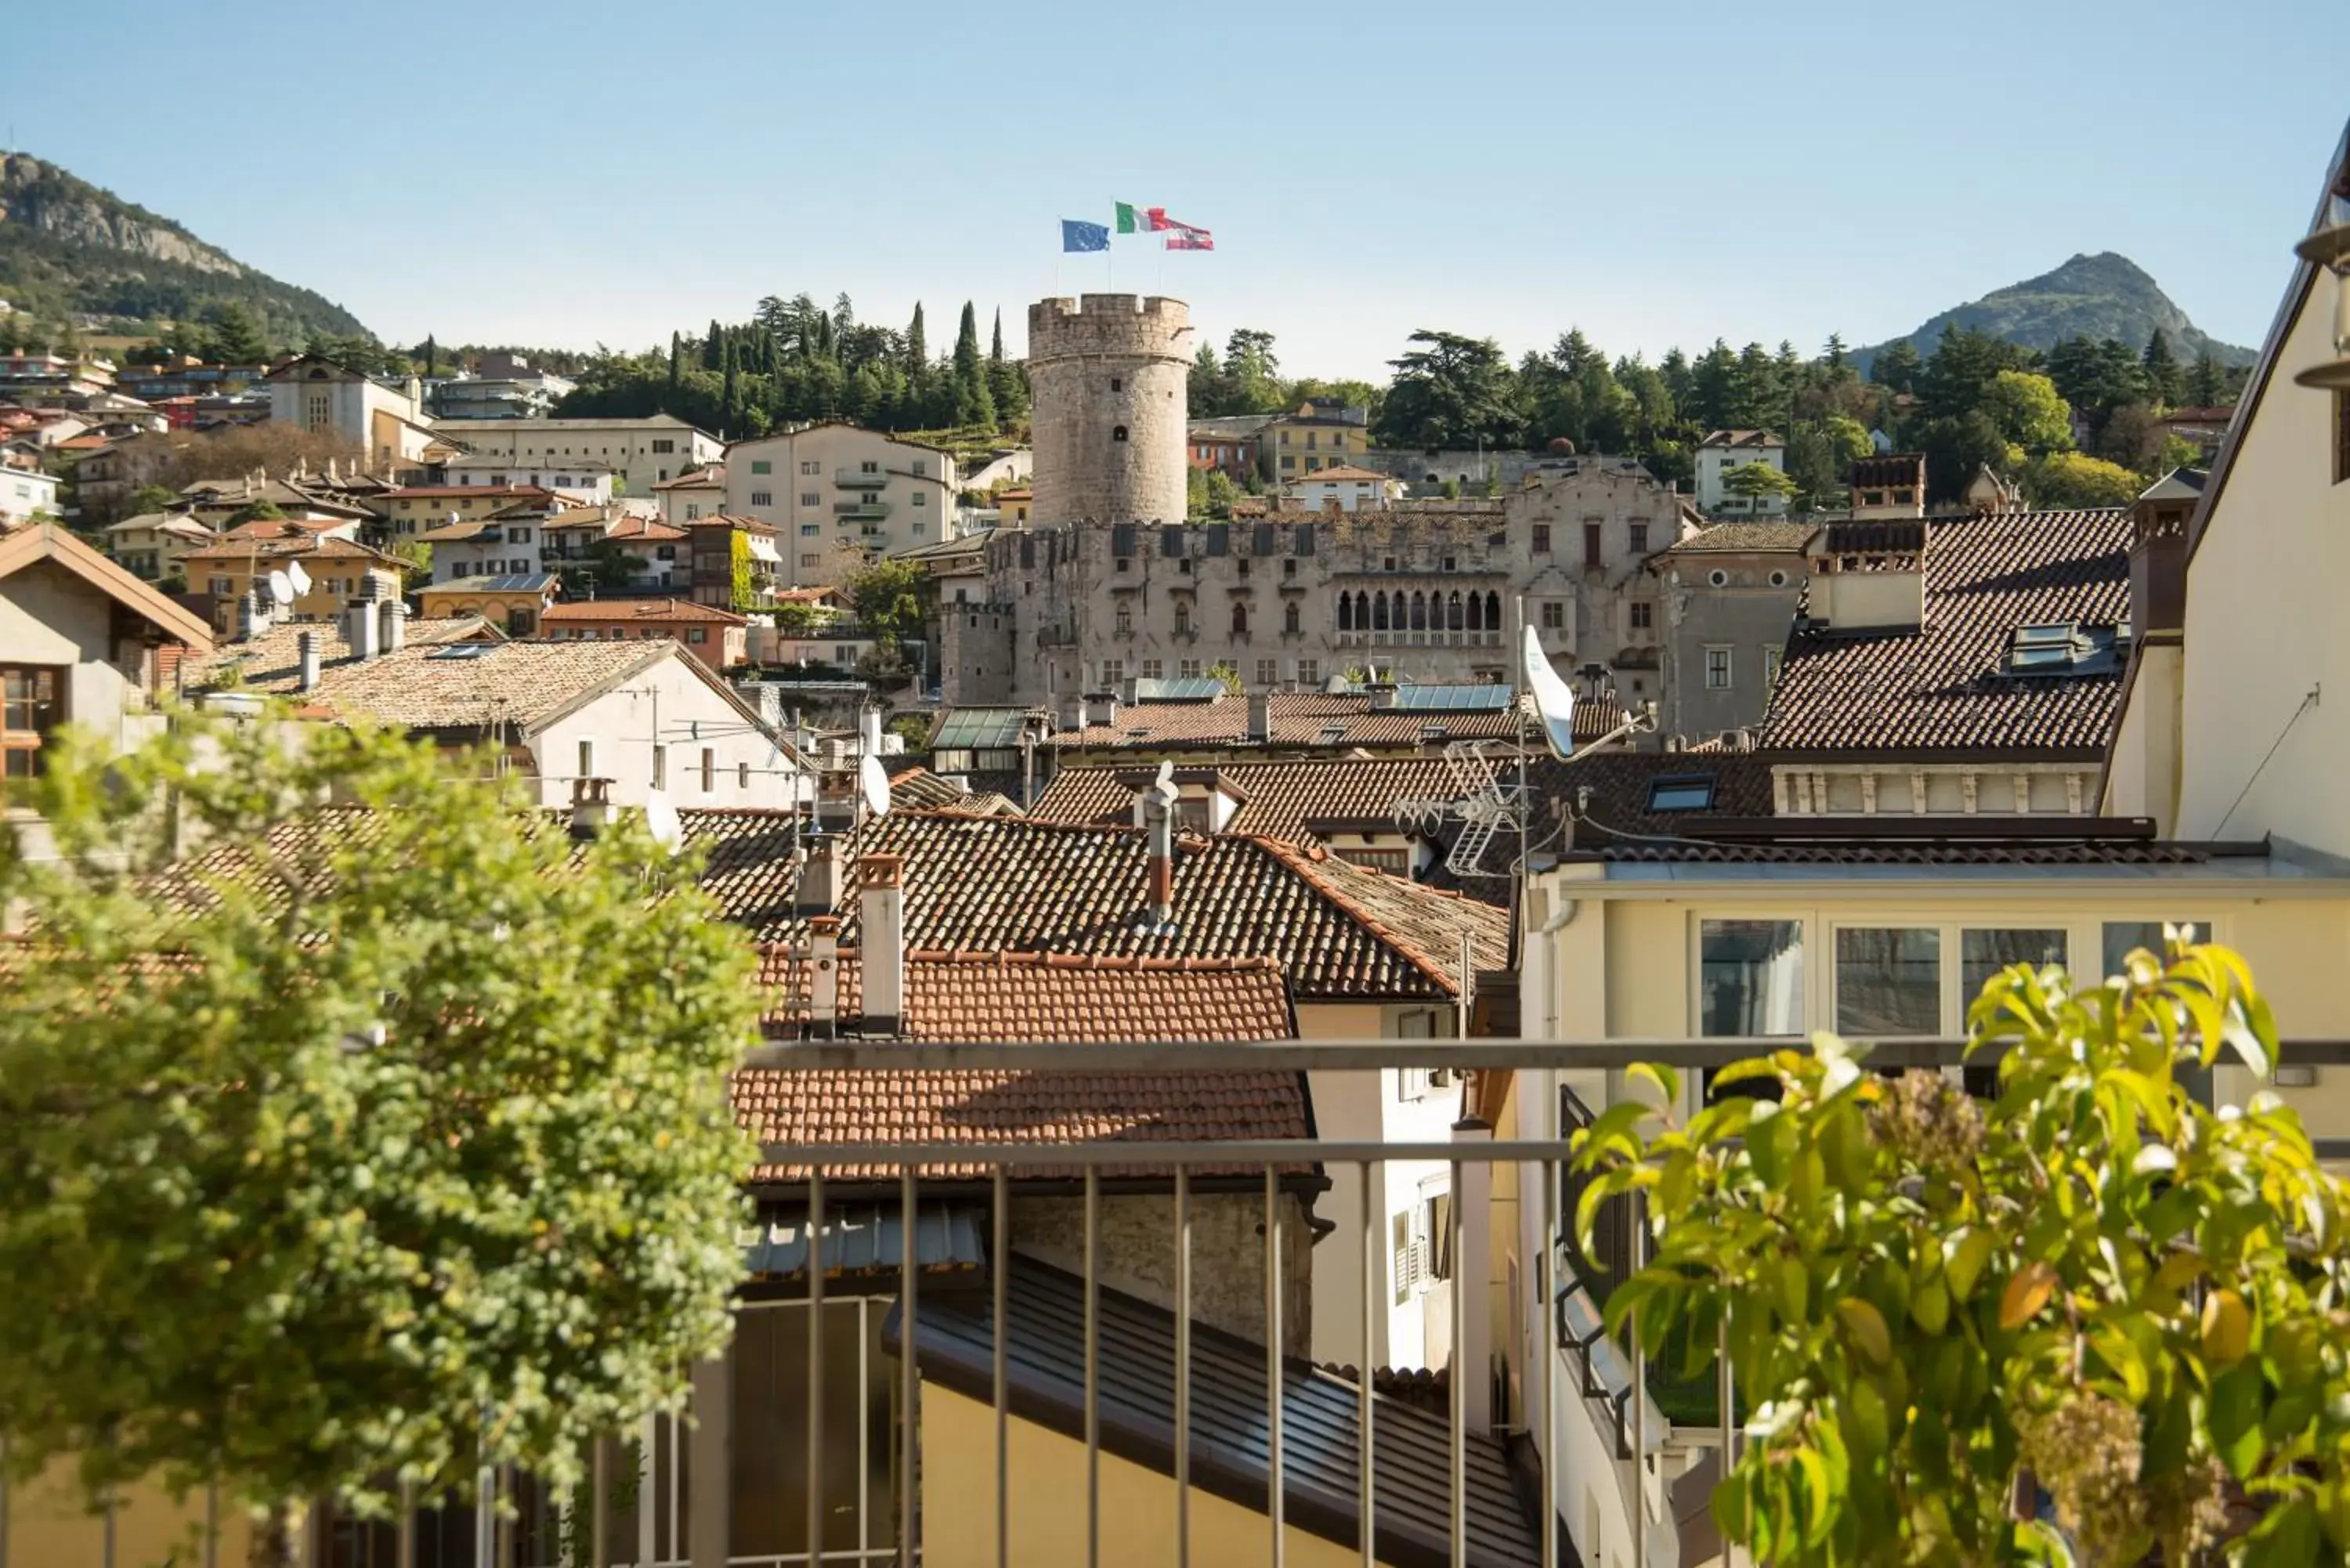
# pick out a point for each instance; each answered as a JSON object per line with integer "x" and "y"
{"x": 1554, "y": 699}
{"x": 281, "y": 590}
{"x": 661, "y": 819}
{"x": 298, "y": 577}
{"x": 873, "y": 779}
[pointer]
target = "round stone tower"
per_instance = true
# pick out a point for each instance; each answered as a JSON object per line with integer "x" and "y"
{"x": 1107, "y": 378}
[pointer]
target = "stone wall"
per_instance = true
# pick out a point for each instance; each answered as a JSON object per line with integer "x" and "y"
{"x": 1108, "y": 375}
{"x": 1138, "y": 1255}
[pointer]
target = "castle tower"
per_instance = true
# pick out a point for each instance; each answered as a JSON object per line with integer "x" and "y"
{"x": 1107, "y": 378}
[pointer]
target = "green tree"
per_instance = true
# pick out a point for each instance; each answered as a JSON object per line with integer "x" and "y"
{"x": 2160, "y": 369}
{"x": 1898, "y": 367}
{"x": 1756, "y": 480}
{"x": 232, "y": 337}
{"x": 1958, "y": 446}
{"x": 888, "y": 597}
{"x": 1849, "y": 437}
{"x": 2075, "y": 479}
{"x": 743, "y": 597}
{"x": 2028, "y": 412}
{"x": 1957, "y": 379}
{"x": 151, "y": 498}
{"x": 1451, "y": 393}
{"x": 1228, "y": 674}
{"x": 1935, "y": 1305}
{"x": 310, "y": 1092}
{"x": 1210, "y": 493}
{"x": 2206, "y": 383}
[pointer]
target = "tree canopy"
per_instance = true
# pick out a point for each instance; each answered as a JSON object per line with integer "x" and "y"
{"x": 383, "y": 1141}
{"x": 2091, "y": 1284}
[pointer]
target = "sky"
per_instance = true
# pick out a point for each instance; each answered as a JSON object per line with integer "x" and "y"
{"x": 591, "y": 172}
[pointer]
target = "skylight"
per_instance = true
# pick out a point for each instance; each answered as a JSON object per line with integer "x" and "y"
{"x": 2066, "y": 648}
{"x": 1682, "y": 792}
{"x": 461, "y": 651}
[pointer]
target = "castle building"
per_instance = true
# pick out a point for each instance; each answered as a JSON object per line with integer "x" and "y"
{"x": 1107, "y": 381}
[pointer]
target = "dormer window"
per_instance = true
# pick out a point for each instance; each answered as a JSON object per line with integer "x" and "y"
{"x": 1682, "y": 792}
{"x": 2060, "y": 648}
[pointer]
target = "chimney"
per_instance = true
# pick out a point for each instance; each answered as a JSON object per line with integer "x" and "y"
{"x": 1109, "y": 711}
{"x": 1473, "y": 1336}
{"x": 881, "y": 919}
{"x": 591, "y": 807}
{"x": 1159, "y": 818}
{"x": 823, "y": 976}
{"x": 818, "y": 889}
{"x": 363, "y": 629}
{"x": 868, "y": 730}
{"x": 1869, "y": 576}
{"x": 308, "y": 645}
{"x": 1260, "y": 718}
{"x": 391, "y": 633}
{"x": 249, "y": 613}
{"x": 2158, "y": 558}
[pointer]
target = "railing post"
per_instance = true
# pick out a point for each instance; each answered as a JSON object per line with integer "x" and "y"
{"x": 815, "y": 1374}
{"x": 1182, "y": 1366}
{"x": 1274, "y": 1497}
{"x": 1367, "y": 1521}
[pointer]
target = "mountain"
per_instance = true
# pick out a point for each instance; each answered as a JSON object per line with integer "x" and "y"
{"x": 67, "y": 246}
{"x": 2100, "y": 297}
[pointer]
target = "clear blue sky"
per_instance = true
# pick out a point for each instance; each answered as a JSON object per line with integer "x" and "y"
{"x": 585, "y": 172}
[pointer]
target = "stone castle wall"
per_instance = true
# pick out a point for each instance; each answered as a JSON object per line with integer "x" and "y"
{"x": 1108, "y": 377}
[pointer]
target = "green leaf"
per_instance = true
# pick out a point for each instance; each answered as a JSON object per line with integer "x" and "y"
{"x": 1929, "y": 1306}
{"x": 1664, "y": 1080}
{"x": 2232, "y": 1413}
{"x": 1966, "y": 1259}
{"x": 2227, "y": 1328}
{"x": 1794, "y": 1277}
{"x": 2287, "y": 1537}
{"x": 1866, "y": 1325}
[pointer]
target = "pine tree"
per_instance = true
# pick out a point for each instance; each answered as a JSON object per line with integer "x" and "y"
{"x": 996, "y": 348}
{"x": 730, "y": 398}
{"x": 1833, "y": 356}
{"x": 676, "y": 345}
{"x": 2206, "y": 383}
{"x": 713, "y": 346}
{"x": 2161, "y": 371}
{"x": 432, "y": 355}
{"x": 918, "y": 348}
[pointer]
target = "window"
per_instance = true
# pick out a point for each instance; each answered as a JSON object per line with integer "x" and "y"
{"x": 1644, "y": 615}
{"x": 762, "y": 498}
{"x": 587, "y": 751}
{"x": 1240, "y": 621}
{"x": 1189, "y": 670}
{"x": 1983, "y": 954}
{"x": 1125, "y": 621}
{"x": 1289, "y": 619}
{"x": 1591, "y": 543}
{"x": 1113, "y": 673}
{"x": 1682, "y": 792}
{"x": 1268, "y": 671}
{"x": 1289, "y": 567}
{"x": 810, "y": 530}
{"x": 808, "y": 559}
{"x": 1309, "y": 672}
{"x": 1287, "y": 461}
{"x": 697, "y": 634}
{"x": 1541, "y": 539}
{"x": 1889, "y": 979}
{"x": 1554, "y": 615}
{"x": 662, "y": 445}
{"x": 1716, "y": 669}
{"x": 1183, "y": 620}
{"x": 32, "y": 704}
{"x": 1118, "y": 433}
{"x": 1639, "y": 539}
{"x": 219, "y": 587}
{"x": 761, "y": 465}
{"x": 1772, "y": 654}
{"x": 810, "y": 498}
{"x": 1750, "y": 977}
{"x": 1904, "y": 497}
{"x": 808, "y": 468}
{"x": 870, "y": 466}
{"x": 922, "y": 498}
{"x": 742, "y": 777}
{"x": 1153, "y": 669}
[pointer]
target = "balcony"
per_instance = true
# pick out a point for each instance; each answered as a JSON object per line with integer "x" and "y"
{"x": 858, "y": 479}
{"x": 872, "y": 509}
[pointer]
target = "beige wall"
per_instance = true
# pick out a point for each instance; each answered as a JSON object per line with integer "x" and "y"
{"x": 49, "y": 616}
{"x": 917, "y": 485}
{"x": 51, "y": 1526}
{"x": 1047, "y": 1502}
{"x": 2263, "y": 621}
{"x": 2143, "y": 776}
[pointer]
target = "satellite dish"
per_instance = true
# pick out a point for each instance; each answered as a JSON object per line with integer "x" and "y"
{"x": 873, "y": 779}
{"x": 1554, "y": 700}
{"x": 299, "y": 578}
{"x": 661, "y": 819}
{"x": 281, "y": 590}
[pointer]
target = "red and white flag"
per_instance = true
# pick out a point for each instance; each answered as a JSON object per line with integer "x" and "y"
{"x": 1182, "y": 237}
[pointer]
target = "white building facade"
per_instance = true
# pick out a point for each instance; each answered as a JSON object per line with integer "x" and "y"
{"x": 642, "y": 453}
{"x": 1722, "y": 455}
{"x": 827, "y": 489}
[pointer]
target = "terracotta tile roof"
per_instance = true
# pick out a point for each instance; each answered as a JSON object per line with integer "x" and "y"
{"x": 1343, "y": 472}
{"x": 1941, "y": 688}
{"x": 1047, "y": 998}
{"x": 1787, "y": 537}
{"x": 1741, "y": 438}
{"x": 306, "y": 547}
{"x": 919, "y": 788}
{"x": 1281, "y": 799}
{"x": 636, "y": 610}
{"x": 422, "y": 688}
{"x": 1299, "y": 718}
{"x": 2139, "y": 852}
{"x": 468, "y": 491}
{"x": 1011, "y": 883}
{"x": 629, "y": 526}
{"x": 270, "y": 661}
{"x": 1892, "y": 468}
{"x": 713, "y": 478}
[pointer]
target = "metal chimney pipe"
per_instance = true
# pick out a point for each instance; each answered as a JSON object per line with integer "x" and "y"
{"x": 392, "y": 629}
{"x": 307, "y": 644}
{"x": 824, "y": 977}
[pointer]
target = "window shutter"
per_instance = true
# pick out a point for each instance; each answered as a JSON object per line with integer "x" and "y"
{"x": 1264, "y": 545}
{"x": 1304, "y": 541}
{"x": 1170, "y": 542}
{"x": 1121, "y": 539}
{"x": 1219, "y": 536}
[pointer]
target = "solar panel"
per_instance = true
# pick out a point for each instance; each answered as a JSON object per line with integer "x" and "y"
{"x": 975, "y": 728}
{"x": 1189, "y": 688}
{"x": 1492, "y": 699}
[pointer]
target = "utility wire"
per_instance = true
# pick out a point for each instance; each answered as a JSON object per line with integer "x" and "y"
{"x": 2307, "y": 704}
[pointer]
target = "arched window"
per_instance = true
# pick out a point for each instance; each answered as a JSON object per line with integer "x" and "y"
{"x": 1394, "y": 608}
{"x": 1240, "y": 617}
{"x": 1492, "y": 612}
{"x": 1183, "y": 619}
{"x": 1419, "y": 611}
{"x": 1476, "y": 613}
{"x": 1452, "y": 613}
{"x": 1346, "y": 612}
{"x": 1379, "y": 612}
{"x": 1118, "y": 433}
{"x": 1289, "y": 618}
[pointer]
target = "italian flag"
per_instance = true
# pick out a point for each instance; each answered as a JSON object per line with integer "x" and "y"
{"x": 1131, "y": 220}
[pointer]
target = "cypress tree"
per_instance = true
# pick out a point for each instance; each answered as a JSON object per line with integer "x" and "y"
{"x": 713, "y": 347}
{"x": 728, "y": 404}
{"x": 676, "y": 344}
{"x": 996, "y": 348}
{"x": 918, "y": 348}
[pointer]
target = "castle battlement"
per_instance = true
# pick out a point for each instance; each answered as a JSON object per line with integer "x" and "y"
{"x": 1151, "y": 326}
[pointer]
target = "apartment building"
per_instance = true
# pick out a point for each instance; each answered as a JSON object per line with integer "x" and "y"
{"x": 833, "y": 487}
{"x": 383, "y": 420}
{"x": 641, "y": 453}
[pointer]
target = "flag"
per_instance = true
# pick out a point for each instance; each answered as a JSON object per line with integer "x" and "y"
{"x": 1181, "y": 238}
{"x": 1156, "y": 219}
{"x": 1129, "y": 221}
{"x": 1079, "y": 236}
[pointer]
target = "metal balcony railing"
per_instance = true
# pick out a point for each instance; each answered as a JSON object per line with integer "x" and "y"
{"x": 1236, "y": 1419}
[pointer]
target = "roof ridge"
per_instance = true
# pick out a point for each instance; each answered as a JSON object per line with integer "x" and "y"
{"x": 1046, "y": 959}
{"x": 1304, "y": 862}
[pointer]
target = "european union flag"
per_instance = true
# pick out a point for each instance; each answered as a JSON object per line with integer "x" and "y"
{"x": 1078, "y": 235}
